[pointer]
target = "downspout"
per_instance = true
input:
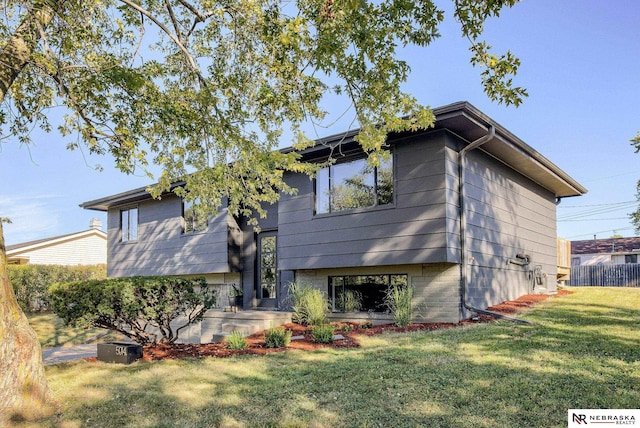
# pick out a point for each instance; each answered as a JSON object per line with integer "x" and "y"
{"x": 463, "y": 235}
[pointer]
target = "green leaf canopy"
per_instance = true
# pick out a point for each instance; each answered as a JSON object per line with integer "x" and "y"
{"x": 202, "y": 90}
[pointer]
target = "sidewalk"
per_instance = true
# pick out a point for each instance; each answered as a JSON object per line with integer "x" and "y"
{"x": 68, "y": 353}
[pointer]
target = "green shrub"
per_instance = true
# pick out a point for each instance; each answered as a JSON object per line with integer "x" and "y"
{"x": 237, "y": 341}
{"x": 366, "y": 324}
{"x": 349, "y": 301}
{"x": 277, "y": 337}
{"x": 346, "y": 327}
{"x": 31, "y": 282}
{"x": 310, "y": 307}
{"x": 322, "y": 333}
{"x": 145, "y": 309}
{"x": 398, "y": 300}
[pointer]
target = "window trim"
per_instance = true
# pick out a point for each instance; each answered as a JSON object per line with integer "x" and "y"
{"x": 376, "y": 206}
{"x": 331, "y": 288}
{"x": 127, "y": 238}
{"x": 203, "y": 228}
{"x": 266, "y": 234}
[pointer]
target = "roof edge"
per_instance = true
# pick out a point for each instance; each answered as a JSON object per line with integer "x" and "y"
{"x": 449, "y": 111}
{"x": 30, "y": 245}
{"x": 520, "y": 144}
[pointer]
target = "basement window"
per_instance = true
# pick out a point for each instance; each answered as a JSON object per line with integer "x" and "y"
{"x": 362, "y": 293}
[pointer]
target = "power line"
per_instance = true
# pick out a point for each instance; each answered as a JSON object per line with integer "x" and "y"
{"x": 598, "y": 219}
{"x": 602, "y": 231}
{"x": 611, "y": 176}
{"x": 596, "y": 211}
{"x": 596, "y": 205}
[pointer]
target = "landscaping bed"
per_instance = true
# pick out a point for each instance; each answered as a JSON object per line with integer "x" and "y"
{"x": 347, "y": 331}
{"x": 302, "y": 340}
{"x": 579, "y": 352}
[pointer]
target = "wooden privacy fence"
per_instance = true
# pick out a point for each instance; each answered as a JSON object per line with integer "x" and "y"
{"x": 627, "y": 275}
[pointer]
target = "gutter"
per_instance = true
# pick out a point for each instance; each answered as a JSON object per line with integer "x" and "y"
{"x": 463, "y": 235}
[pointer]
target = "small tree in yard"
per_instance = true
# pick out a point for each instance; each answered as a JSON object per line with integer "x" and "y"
{"x": 146, "y": 309}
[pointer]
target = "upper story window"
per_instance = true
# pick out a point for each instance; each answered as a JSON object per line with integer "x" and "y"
{"x": 129, "y": 224}
{"x": 354, "y": 184}
{"x": 191, "y": 221}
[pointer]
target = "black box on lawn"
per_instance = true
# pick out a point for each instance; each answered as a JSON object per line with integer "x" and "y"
{"x": 119, "y": 352}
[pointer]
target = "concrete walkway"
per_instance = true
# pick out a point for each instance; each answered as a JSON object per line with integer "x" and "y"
{"x": 69, "y": 353}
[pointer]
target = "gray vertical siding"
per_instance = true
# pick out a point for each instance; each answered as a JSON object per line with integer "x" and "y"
{"x": 234, "y": 244}
{"x": 507, "y": 214}
{"x": 413, "y": 230}
{"x": 249, "y": 253}
{"x": 162, "y": 248}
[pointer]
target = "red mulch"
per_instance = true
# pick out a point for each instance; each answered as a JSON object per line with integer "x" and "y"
{"x": 349, "y": 331}
{"x": 524, "y": 302}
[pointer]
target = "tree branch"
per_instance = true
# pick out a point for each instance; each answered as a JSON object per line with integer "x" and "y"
{"x": 18, "y": 50}
{"x": 173, "y": 37}
{"x": 174, "y": 21}
{"x": 199, "y": 16}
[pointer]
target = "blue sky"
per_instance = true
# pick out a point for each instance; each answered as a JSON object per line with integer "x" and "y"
{"x": 580, "y": 65}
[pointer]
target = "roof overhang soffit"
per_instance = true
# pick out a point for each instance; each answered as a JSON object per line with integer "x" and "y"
{"x": 470, "y": 123}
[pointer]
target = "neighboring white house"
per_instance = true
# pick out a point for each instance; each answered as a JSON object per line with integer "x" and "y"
{"x": 605, "y": 252}
{"x": 88, "y": 247}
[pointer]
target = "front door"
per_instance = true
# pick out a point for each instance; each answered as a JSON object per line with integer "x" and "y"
{"x": 267, "y": 269}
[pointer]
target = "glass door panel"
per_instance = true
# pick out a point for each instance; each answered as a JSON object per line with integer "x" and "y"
{"x": 267, "y": 267}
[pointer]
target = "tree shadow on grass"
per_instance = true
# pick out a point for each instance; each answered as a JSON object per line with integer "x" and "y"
{"x": 497, "y": 374}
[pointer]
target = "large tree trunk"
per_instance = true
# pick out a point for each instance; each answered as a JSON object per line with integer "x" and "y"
{"x": 24, "y": 391}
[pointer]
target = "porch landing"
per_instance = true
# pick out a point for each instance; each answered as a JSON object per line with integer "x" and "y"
{"x": 218, "y": 324}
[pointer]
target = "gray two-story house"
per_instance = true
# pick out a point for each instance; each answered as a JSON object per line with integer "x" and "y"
{"x": 464, "y": 212}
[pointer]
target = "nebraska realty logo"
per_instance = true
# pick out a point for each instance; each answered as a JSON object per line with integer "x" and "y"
{"x": 595, "y": 417}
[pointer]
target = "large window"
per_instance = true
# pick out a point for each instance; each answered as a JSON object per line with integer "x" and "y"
{"x": 356, "y": 293}
{"x": 354, "y": 184}
{"x": 129, "y": 224}
{"x": 192, "y": 221}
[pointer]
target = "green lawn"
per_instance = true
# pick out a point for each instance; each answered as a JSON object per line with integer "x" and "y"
{"x": 52, "y": 332}
{"x": 583, "y": 351}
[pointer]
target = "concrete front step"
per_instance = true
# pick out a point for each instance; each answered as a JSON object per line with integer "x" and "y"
{"x": 246, "y": 327}
{"x": 218, "y": 324}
